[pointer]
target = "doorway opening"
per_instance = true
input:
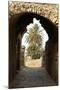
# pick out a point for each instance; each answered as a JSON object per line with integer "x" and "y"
{"x": 33, "y": 44}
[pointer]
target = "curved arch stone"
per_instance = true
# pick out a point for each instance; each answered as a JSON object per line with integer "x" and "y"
{"x": 47, "y": 10}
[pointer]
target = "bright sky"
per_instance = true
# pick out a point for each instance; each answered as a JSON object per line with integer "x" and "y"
{"x": 43, "y": 33}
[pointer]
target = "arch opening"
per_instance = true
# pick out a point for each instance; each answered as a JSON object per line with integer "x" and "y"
{"x": 35, "y": 37}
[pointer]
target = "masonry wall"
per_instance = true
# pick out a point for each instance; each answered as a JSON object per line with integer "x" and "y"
{"x": 52, "y": 60}
{"x": 12, "y": 51}
{"x": 54, "y": 64}
{"x": 47, "y": 10}
{"x": 18, "y": 51}
{"x": 22, "y": 55}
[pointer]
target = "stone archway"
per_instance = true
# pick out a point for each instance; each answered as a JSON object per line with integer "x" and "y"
{"x": 17, "y": 25}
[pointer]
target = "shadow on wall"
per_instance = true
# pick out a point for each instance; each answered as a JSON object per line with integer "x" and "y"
{"x": 17, "y": 25}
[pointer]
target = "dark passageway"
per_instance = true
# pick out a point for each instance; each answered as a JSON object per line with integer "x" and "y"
{"x": 28, "y": 77}
{"x": 47, "y": 76}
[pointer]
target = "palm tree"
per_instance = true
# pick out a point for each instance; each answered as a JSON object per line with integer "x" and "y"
{"x": 34, "y": 41}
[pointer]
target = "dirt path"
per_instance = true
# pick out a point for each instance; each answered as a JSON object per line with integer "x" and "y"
{"x": 32, "y": 63}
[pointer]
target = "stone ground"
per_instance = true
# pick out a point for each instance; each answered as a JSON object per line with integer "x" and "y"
{"x": 32, "y": 77}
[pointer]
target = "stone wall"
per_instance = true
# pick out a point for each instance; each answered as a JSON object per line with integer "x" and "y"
{"x": 12, "y": 51}
{"x": 52, "y": 59}
{"x": 18, "y": 53}
{"x": 47, "y": 10}
{"x": 22, "y": 55}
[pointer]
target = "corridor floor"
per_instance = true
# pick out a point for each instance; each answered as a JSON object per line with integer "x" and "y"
{"x": 35, "y": 77}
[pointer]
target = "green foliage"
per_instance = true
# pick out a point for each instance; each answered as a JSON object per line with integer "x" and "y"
{"x": 34, "y": 51}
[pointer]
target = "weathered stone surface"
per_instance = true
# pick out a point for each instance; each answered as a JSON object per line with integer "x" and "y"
{"x": 47, "y": 10}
